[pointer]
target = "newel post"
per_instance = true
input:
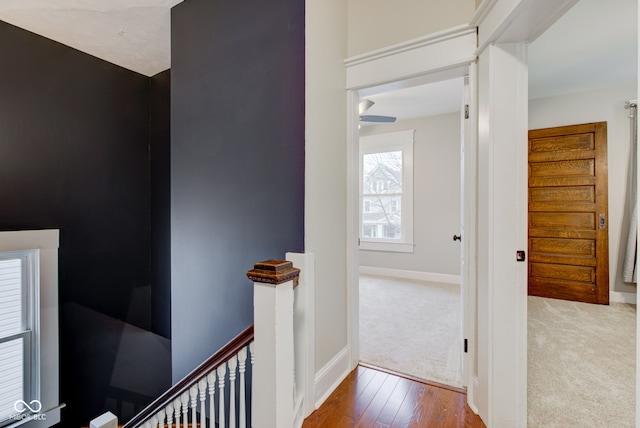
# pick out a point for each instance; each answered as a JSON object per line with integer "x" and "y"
{"x": 274, "y": 281}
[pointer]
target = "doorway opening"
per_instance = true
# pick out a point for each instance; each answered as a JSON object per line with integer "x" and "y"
{"x": 580, "y": 79}
{"x": 411, "y": 305}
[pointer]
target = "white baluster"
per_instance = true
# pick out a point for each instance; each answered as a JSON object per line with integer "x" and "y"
{"x": 253, "y": 401}
{"x": 161, "y": 416}
{"x": 147, "y": 424}
{"x": 154, "y": 422}
{"x": 202, "y": 387}
{"x": 222, "y": 372}
{"x": 242, "y": 366}
{"x": 177, "y": 405}
{"x": 233, "y": 365}
{"x": 193, "y": 395}
{"x": 185, "y": 409}
{"x": 211, "y": 380}
{"x": 169, "y": 415}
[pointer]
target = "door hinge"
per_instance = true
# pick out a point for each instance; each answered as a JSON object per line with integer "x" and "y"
{"x": 466, "y": 346}
{"x": 466, "y": 111}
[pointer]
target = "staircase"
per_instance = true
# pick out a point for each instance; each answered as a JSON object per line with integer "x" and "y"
{"x": 193, "y": 401}
{"x": 220, "y": 391}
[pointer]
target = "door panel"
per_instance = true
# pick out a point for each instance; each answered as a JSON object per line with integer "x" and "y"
{"x": 568, "y": 245}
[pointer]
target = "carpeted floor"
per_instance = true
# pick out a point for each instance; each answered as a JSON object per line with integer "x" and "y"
{"x": 581, "y": 357}
{"x": 581, "y": 364}
{"x": 412, "y": 327}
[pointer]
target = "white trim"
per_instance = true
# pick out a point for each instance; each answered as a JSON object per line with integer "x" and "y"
{"x": 353, "y": 203}
{"x": 304, "y": 331}
{"x": 298, "y": 415}
{"x": 48, "y": 239}
{"x": 502, "y": 214}
{"x": 469, "y": 266}
{"x": 417, "y": 43}
{"x": 622, "y": 297}
{"x": 411, "y": 274}
{"x": 510, "y": 21}
{"x": 52, "y": 418}
{"x": 471, "y": 403}
{"x": 47, "y": 242}
{"x": 392, "y": 247}
{"x": 331, "y": 375}
{"x": 413, "y": 59}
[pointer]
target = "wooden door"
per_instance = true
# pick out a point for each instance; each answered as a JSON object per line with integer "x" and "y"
{"x": 568, "y": 218}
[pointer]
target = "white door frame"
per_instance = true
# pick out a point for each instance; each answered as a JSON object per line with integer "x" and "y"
{"x": 469, "y": 233}
{"x": 440, "y": 56}
{"x": 505, "y": 27}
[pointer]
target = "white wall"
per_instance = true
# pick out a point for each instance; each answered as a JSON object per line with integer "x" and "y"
{"x": 374, "y": 24}
{"x": 325, "y": 177}
{"x": 436, "y": 197}
{"x": 603, "y": 105}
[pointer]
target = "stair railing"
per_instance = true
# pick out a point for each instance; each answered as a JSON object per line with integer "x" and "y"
{"x": 185, "y": 404}
{"x": 269, "y": 385}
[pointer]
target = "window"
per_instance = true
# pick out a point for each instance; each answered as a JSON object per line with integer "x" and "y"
{"x": 18, "y": 333}
{"x": 386, "y": 192}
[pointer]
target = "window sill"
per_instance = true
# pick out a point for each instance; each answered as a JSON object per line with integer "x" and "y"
{"x": 392, "y": 247}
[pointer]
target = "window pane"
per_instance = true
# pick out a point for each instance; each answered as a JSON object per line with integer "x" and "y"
{"x": 11, "y": 376}
{"x": 10, "y": 297}
{"x": 382, "y": 172}
{"x": 384, "y": 213}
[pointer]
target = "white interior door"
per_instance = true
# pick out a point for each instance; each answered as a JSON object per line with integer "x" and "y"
{"x": 468, "y": 171}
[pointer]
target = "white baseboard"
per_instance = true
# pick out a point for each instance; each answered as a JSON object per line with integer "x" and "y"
{"x": 411, "y": 274}
{"x": 621, "y": 297}
{"x": 330, "y": 376}
{"x": 472, "y": 405}
{"x": 298, "y": 417}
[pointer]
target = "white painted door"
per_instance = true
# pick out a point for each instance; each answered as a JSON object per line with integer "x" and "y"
{"x": 468, "y": 153}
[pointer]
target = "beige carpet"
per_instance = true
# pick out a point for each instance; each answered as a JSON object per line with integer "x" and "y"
{"x": 581, "y": 364}
{"x": 412, "y": 327}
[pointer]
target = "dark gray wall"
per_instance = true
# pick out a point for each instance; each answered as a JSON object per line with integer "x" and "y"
{"x": 160, "y": 170}
{"x": 237, "y": 161}
{"x": 74, "y": 155}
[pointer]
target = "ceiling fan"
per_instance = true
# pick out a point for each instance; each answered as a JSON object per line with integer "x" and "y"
{"x": 365, "y": 105}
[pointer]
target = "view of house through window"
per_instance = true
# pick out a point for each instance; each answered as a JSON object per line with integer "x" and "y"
{"x": 386, "y": 191}
{"x": 382, "y": 195}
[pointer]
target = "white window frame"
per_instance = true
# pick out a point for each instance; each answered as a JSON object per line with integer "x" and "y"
{"x": 45, "y": 243}
{"x": 30, "y": 328}
{"x": 388, "y": 142}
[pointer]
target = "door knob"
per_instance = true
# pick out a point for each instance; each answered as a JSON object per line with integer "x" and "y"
{"x": 457, "y": 238}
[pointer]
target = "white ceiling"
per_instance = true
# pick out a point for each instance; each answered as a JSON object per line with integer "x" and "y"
{"x": 419, "y": 101}
{"x": 135, "y": 34}
{"x": 594, "y": 45}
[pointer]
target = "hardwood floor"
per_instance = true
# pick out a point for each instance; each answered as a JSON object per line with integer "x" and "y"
{"x": 376, "y": 399}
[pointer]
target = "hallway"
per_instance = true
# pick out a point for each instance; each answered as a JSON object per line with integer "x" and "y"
{"x": 372, "y": 398}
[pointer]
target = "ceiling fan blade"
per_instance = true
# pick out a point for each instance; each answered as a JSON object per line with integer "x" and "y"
{"x": 379, "y": 119}
{"x": 364, "y": 105}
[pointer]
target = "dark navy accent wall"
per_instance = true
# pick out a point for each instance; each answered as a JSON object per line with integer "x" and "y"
{"x": 160, "y": 170}
{"x": 74, "y": 155}
{"x": 237, "y": 161}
